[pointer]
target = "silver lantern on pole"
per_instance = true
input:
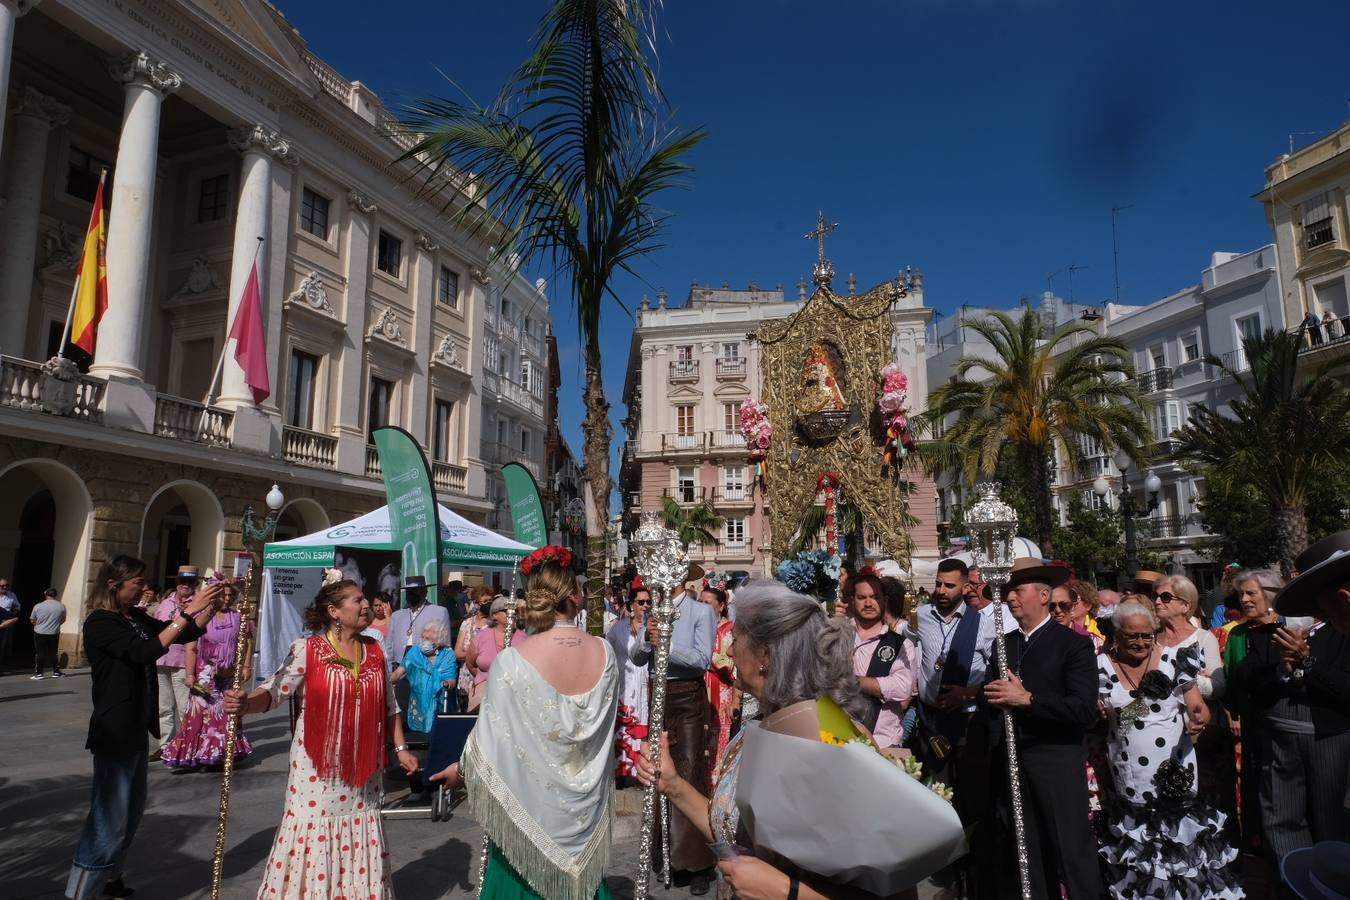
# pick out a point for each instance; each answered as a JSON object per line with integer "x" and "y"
{"x": 663, "y": 562}
{"x": 993, "y": 527}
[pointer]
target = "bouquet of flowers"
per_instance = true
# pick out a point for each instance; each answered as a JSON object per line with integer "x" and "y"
{"x": 718, "y": 580}
{"x": 561, "y": 555}
{"x": 894, "y": 415}
{"x": 814, "y": 572}
{"x": 757, "y": 431}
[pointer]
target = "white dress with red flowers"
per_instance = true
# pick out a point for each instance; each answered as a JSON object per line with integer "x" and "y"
{"x": 630, "y": 732}
{"x": 330, "y": 843}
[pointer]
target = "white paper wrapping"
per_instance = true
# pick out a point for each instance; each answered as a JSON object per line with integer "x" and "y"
{"x": 844, "y": 813}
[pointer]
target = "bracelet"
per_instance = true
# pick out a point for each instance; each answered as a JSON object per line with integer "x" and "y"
{"x": 176, "y": 624}
{"x": 400, "y": 748}
{"x": 793, "y": 886}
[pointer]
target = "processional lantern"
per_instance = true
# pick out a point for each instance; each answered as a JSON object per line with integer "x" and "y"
{"x": 663, "y": 563}
{"x": 993, "y": 526}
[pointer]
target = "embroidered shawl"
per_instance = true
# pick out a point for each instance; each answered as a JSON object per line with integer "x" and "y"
{"x": 344, "y": 716}
{"x": 538, "y": 766}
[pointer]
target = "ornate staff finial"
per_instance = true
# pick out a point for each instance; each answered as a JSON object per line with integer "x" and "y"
{"x": 823, "y": 273}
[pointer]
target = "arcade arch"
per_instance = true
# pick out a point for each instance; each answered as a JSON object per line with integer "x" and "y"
{"x": 183, "y": 523}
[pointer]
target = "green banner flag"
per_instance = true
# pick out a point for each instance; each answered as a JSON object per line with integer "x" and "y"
{"x": 414, "y": 525}
{"x": 527, "y": 510}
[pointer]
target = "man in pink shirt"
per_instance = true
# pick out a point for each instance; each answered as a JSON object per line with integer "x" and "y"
{"x": 173, "y": 689}
{"x": 882, "y": 660}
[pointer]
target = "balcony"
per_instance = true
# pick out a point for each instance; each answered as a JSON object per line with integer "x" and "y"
{"x": 1173, "y": 527}
{"x": 1156, "y": 380}
{"x": 450, "y": 478}
{"x": 684, "y": 371}
{"x": 673, "y": 443}
{"x": 730, "y": 369}
{"x": 1335, "y": 333}
{"x": 686, "y": 496}
{"x": 508, "y": 331}
{"x": 722, "y": 440}
{"x": 187, "y": 420}
{"x": 502, "y": 388}
{"x": 742, "y": 549}
{"x": 21, "y": 387}
{"x": 1161, "y": 451}
{"x": 501, "y": 454}
{"x": 729, "y": 495}
{"x": 373, "y": 467}
{"x": 308, "y": 448}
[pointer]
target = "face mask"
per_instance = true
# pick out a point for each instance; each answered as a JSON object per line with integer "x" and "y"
{"x": 428, "y": 647}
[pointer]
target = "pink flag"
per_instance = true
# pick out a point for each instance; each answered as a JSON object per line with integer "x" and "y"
{"x": 247, "y": 332}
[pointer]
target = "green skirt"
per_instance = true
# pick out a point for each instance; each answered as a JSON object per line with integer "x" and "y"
{"x": 501, "y": 882}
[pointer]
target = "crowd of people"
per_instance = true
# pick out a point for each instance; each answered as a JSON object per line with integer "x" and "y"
{"x": 1156, "y": 742}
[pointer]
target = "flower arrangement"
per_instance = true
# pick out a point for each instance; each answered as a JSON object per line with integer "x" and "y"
{"x": 757, "y": 431}
{"x": 561, "y": 555}
{"x": 894, "y": 415}
{"x": 838, "y": 730}
{"x": 718, "y": 580}
{"x": 814, "y": 572}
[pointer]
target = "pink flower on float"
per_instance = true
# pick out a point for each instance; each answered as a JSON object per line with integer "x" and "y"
{"x": 762, "y": 441}
{"x": 892, "y": 402}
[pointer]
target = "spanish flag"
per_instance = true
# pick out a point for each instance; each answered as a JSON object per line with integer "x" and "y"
{"x": 91, "y": 298}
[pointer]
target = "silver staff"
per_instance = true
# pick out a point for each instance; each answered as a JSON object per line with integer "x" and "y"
{"x": 993, "y": 525}
{"x": 506, "y": 642}
{"x": 662, "y": 562}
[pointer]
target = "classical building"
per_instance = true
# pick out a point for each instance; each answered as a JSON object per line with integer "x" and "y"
{"x": 1306, "y": 206}
{"x": 226, "y": 141}
{"x": 689, "y": 369}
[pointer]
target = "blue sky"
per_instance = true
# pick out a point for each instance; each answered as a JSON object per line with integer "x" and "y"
{"x": 982, "y": 141}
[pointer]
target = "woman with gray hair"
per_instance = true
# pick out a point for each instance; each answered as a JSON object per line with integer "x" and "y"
{"x": 797, "y": 663}
{"x": 1161, "y": 840}
{"x": 1175, "y": 600}
{"x": 432, "y": 672}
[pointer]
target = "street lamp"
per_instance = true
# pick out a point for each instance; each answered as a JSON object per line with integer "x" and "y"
{"x": 1128, "y": 511}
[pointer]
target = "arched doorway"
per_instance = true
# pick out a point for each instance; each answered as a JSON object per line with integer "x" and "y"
{"x": 300, "y": 517}
{"x": 46, "y": 524}
{"x": 183, "y": 524}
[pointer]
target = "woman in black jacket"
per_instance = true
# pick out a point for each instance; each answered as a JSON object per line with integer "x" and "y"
{"x": 122, "y": 643}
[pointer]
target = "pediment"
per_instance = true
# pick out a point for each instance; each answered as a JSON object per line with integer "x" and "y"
{"x": 731, "y": 390}
{"x": 261, "y": 28}
{"x": 684, "y": 392}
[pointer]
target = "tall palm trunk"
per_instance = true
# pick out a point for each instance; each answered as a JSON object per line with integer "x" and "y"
{"x": 595, "y": 473}
{"x": 1291, "y": 535}
{"x": 1039, "y": 467}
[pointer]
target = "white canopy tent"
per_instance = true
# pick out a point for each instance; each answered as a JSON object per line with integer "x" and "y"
{"x": 293, "y": 569}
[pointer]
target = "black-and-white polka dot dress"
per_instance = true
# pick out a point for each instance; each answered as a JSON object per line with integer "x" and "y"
{"x": 1158, "y": 845}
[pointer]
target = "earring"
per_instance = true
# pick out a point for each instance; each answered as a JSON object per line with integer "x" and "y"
{"x": 763, "y": 670}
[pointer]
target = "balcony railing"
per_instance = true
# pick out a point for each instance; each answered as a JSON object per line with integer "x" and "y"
{"x": 684, "y": 370}
{"x": 1166, "y": 527}
{"x": 1156, "y": 380}
{"x": 450, "y": 477}
{"x": 742, "y": 549}
{"x": 188, "y": 420}
{"x": 21, "y": 388}
{"x": 1161, "y": 450}
{"x": 678, "y": 441}
{"x": 373, "y": 467}
{"x": 501, "y": 454}
{"x": 728, "y": 496}
{"x": 728, "y": 369}
{"x": 508, "y": 331}
{"x": 308, "y": 448}
{"x": 722, "y": 439}
{"x": 520, "y": 397}
{"x": 686, "y": 496}
{"x": 1326, "y": 334}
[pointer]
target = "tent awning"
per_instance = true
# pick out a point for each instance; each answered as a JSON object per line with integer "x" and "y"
{"x": 462, "y": 543}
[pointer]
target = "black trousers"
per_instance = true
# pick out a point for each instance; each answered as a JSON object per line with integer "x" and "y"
{"x": 687, "y": 727}
{"x": 44, "y": 652}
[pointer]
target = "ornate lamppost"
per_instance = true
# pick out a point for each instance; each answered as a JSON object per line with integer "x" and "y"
{"x": 1128, "y": 510}
{"x": 253, "y": 535}
{"x": 993, "y": 525}
{"x": 662, "y": 562}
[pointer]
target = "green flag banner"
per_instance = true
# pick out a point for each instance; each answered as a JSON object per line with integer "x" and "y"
{"x": 414, "y": 525}
{"x": 527, "y": 510}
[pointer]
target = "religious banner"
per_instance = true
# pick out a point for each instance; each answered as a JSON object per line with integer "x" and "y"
{"x": 527, "y": 510}
{"x": 413, "y": 521}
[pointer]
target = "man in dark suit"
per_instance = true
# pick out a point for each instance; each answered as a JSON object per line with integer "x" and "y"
{"x": 1051, "y": 693}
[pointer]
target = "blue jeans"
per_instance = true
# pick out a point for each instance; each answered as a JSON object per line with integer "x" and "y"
{"x": 115, "y": 809}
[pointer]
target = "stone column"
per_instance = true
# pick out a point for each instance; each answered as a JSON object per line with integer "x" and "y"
{"x": 34, "y": 116}
{"x": 10, "y": 12}
{"x": 118, "y": 353}
{"x": 424, "y": 274}
{"x": 352, "y": 389}
{"x": 252, "y": 220}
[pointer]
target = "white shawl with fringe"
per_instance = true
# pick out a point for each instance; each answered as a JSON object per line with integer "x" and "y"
{"x": 539, "y": 768}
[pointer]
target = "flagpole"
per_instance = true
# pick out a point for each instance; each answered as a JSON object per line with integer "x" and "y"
{"x": 224, "y": 348}
{"x": 66, "y": 336}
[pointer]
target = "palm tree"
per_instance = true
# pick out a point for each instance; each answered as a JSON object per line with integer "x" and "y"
{"x": 1283, "y": 437}
{"x": 695, "y": 524}
{"x": 1029, "y": 397}
{"x": 563, "y": 167}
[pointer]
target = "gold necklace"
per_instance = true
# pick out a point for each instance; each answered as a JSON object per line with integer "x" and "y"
{"x": 353, "y": 666}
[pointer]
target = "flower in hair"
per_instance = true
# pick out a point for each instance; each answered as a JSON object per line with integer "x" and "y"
{"x": 561, "y": 555}
{"x": 332, "y": 576}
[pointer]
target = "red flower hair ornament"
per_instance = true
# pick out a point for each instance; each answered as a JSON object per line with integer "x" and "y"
{"x": 561, "y": 555}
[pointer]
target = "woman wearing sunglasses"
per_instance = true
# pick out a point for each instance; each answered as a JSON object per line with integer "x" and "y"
{"x": 631, "y": 728}
{"x": 1074, "y": 605}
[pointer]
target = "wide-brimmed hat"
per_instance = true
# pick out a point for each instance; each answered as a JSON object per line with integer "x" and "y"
{"x": 415, "y": 583}
{"x": 694, "y": 576}
{"x": 501, "y": 603}
{"x": 1319, "y": 872}
{"x": 1142, "y": 582}
{"x": 189, "y": 573}
{"x": 1029, "y": 570}
{"x": 1324, "y": 564}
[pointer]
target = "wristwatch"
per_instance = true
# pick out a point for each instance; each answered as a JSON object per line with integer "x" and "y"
{"x": 400, "y": 748}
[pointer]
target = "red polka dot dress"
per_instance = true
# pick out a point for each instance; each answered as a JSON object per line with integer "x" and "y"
{"x": 330, "y": 843}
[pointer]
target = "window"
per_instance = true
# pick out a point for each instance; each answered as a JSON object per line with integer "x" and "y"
{"x": 506, "y": 310}
{"x": 213, "y": 198}
{"x": 1158, "y": 356}
{"x": 684, "y": 491}
{"x": 377, "y": 412}
{"x": 1249, "y": 327}
{"x": 390, "y": 257}
{"x": 684, "y": 353}
{"x": 314, "y": 214}
{"x": 82, "y": 171}
{"x": 733, "y": 482}
{"x": 501, "y": 432}
{"x": 684, "y": 420}
{"x": 300, "y": 400}
{"x": 731, "y": 350}
{"x": 447, "y": 288}
{"x": 1317, "y": 221}
{"x": 1092, "y": 501}
{"x": 731, "y": 417}
{"x": 736, "y": 532}
{"x": 526, "y": 440}
{"x": 1166, "y": 419}
{"x": 1190, "y": 347}
{"x": 503, "y": 363}
{"x": 440, "y": 430}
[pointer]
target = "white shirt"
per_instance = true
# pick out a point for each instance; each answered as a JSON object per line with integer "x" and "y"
{"x": 1009, "y": 623}
{"x": 935, "y": 639}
